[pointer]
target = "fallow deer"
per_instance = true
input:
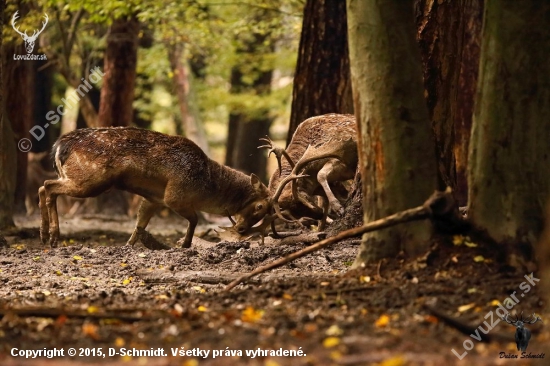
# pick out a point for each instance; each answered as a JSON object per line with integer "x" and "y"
{"x": 165, "y": 170}
{"x": 320, "y": 157}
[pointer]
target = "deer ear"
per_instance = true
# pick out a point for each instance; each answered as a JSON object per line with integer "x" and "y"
{"x": 256, "y": 182}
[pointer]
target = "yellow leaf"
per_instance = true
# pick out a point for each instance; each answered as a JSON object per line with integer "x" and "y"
{"x": 119, "y": 342}
{"x": 271, "y": 363}
{"x": 92, "y": 309}
{"x": 202, "y": 309}
{"x": 90, "y": 330}
{"x": 71, "y": 241}
{"x": 479, "y": 258}
{"x": 364, "y": 279}
{"x": 123, "y": 264}
{"x": 77, "y": 257}
{"x": 126, "y": 358}
{"x": 382, "y": 321}
{"x": 331, "y": 342}
{"x": 394, "y": 361}
{"x": 127, "y": 281}
{"x": 458, "y": 239}
{"x": 469, "y": 244}
{"x": 142, "y": 255}
{"x": 161, "y": 297}
{"x": 36, "y": 258}
{"x": 335, "y": 355}
{"x": 287, "y": 296}
{"x": 495, "y": 303}
{"x": 466, "y": 307}
{"x": 251, "y": 315}
{"x": 472, "y": 290}
{"x": 191, "y": 362}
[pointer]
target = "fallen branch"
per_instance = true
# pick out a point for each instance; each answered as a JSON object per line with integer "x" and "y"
{"x": 440, "y": 205}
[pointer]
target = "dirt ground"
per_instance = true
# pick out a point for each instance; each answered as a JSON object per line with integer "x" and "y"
{"x": 96, "y": 295}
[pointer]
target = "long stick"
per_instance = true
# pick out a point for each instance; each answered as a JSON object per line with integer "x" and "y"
{"x": 439, "y": 204}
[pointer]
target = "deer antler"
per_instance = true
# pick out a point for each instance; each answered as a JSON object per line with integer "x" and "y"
{"x": 15, "y": 16}
{"x": 275, "y": 199}
{"x": 277, "y": 151}
{"x": 531, "y": 319}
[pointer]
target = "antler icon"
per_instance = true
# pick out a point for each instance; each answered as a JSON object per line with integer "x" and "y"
{"x": 29, "y": 40}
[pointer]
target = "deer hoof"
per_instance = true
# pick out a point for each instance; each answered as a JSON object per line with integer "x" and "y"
{"x": 184, "y": 243}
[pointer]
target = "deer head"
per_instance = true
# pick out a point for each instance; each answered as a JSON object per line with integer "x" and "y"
{"x": 29, "y": 40}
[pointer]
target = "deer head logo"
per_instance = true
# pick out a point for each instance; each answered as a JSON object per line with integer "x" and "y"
{"x": 29, "y": 40}
{"x": 522, "y": 334}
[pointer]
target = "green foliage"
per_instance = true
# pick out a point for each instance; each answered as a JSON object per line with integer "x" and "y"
{"x": 253, "y": 36}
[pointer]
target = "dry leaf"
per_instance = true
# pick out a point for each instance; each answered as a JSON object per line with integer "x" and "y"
{"x": 334, "y": 330}
{"x": 119, "y": 342}
{"x": 77, "y": 258}
{"x": 331, "y": 342}
{"x": 90, "y": 330}
{"x": 394, "y": 361}
{"x": 251, "y": 315}
{"x": 92, "y": 309}
{"x": 479, "y": 258}
{"x": 382, "y": 321}
{"x": 202, "y": 309}
{"x": 466, "y": 307}
{"x": 287, "y": 296}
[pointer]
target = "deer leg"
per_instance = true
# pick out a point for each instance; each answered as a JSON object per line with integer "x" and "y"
{"x": 193, "y": 219}
{"x": 334, "y": 170}
{"x": 48, "y": 196}
{"x": 146, "y": 210}
{"x": 326, "y": 208}
{"x": 45, "y": 217}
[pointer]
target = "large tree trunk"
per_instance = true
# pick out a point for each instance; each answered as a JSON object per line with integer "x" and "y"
{"x": 19, "y": 98}
{"x": 192, "y": 127}
{"x": 448, "y": 33}
{"x": 8, "y": 163}
{"x": 117, "y": 91}
{"x": 322, "y": 81}
{"x": 509, "y": 174}
{"x": 397, "y": 160}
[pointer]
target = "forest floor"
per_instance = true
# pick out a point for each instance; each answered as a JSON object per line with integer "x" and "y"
{"x": 94, "y": 294}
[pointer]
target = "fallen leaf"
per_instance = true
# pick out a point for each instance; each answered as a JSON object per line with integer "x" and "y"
{"x": 382, "y": 321}
{"x": 287, "y": 296}
{"x": 142, "y": 255}
{"x": 479, "y": 258}
{"x": 331, "y": 342}
{"x": 271, "y": 363}
{"x": 334, "y": 330}
{"x": 119, "y": 342}
{"x": 458, "y": 239}
{"x": 364, "y": 279}
{"x": 90, "y": 330}
{"x": 77, "y": 257}
{"x": 127, "y": 281}
{"x": 251, "y": 315}
{"x": 92, "y": 309}
{"x": 466, "y": 307}
{"x": 393, "y": 361}
{"x": 202, "y": 309}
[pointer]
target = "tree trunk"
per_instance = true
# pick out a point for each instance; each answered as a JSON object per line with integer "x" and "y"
{"x": 8, "y": 162}
{"x": 509, "y": 153}
{"x": 447, "y": 34}
{"x": 192, "y": 127}
{"x": 18, "y": 87}
{"x": 117, "y": 91}
{"x": 322, "y": 81}
{"x": 397, "y": 160}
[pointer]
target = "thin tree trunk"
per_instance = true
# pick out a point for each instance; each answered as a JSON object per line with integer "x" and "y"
{"x": 192, "y": 127}
{"x": 8, "y": 162}
{"x": 397, "y": 161}
{"x": 447, "y": 32}
{"x": 509, "y": 176}
{"x": 117, "y": 91}
{"x": 322, "y": 82}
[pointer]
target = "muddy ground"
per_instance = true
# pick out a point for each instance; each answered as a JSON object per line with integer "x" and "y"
{"x": 94, "y": 292}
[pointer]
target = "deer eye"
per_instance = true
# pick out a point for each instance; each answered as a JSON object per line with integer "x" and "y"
{"x": 259, "y": 206}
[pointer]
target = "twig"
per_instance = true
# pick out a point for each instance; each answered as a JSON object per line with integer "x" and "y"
{"x": 55, "y": 313}
{"x": 440, "y": 205}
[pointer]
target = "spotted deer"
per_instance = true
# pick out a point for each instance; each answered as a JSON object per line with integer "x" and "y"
{"x": 165, "y": 170}
{"x": 320, "y": 157}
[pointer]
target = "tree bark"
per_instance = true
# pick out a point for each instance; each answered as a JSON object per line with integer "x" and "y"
{"x": 509, "y": 153}
{"x": 19, "y": 99}
{"x": 397, "y": 160}
{"x": 448, "y": 33}
{"x": 192, "y": 127}
{"x": 117, "y": 91}
{"x": 8, "y": 163}
{"x": 322, "y": 82}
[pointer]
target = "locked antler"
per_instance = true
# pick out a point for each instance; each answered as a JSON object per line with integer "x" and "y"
{"x": 277, "y": 151}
